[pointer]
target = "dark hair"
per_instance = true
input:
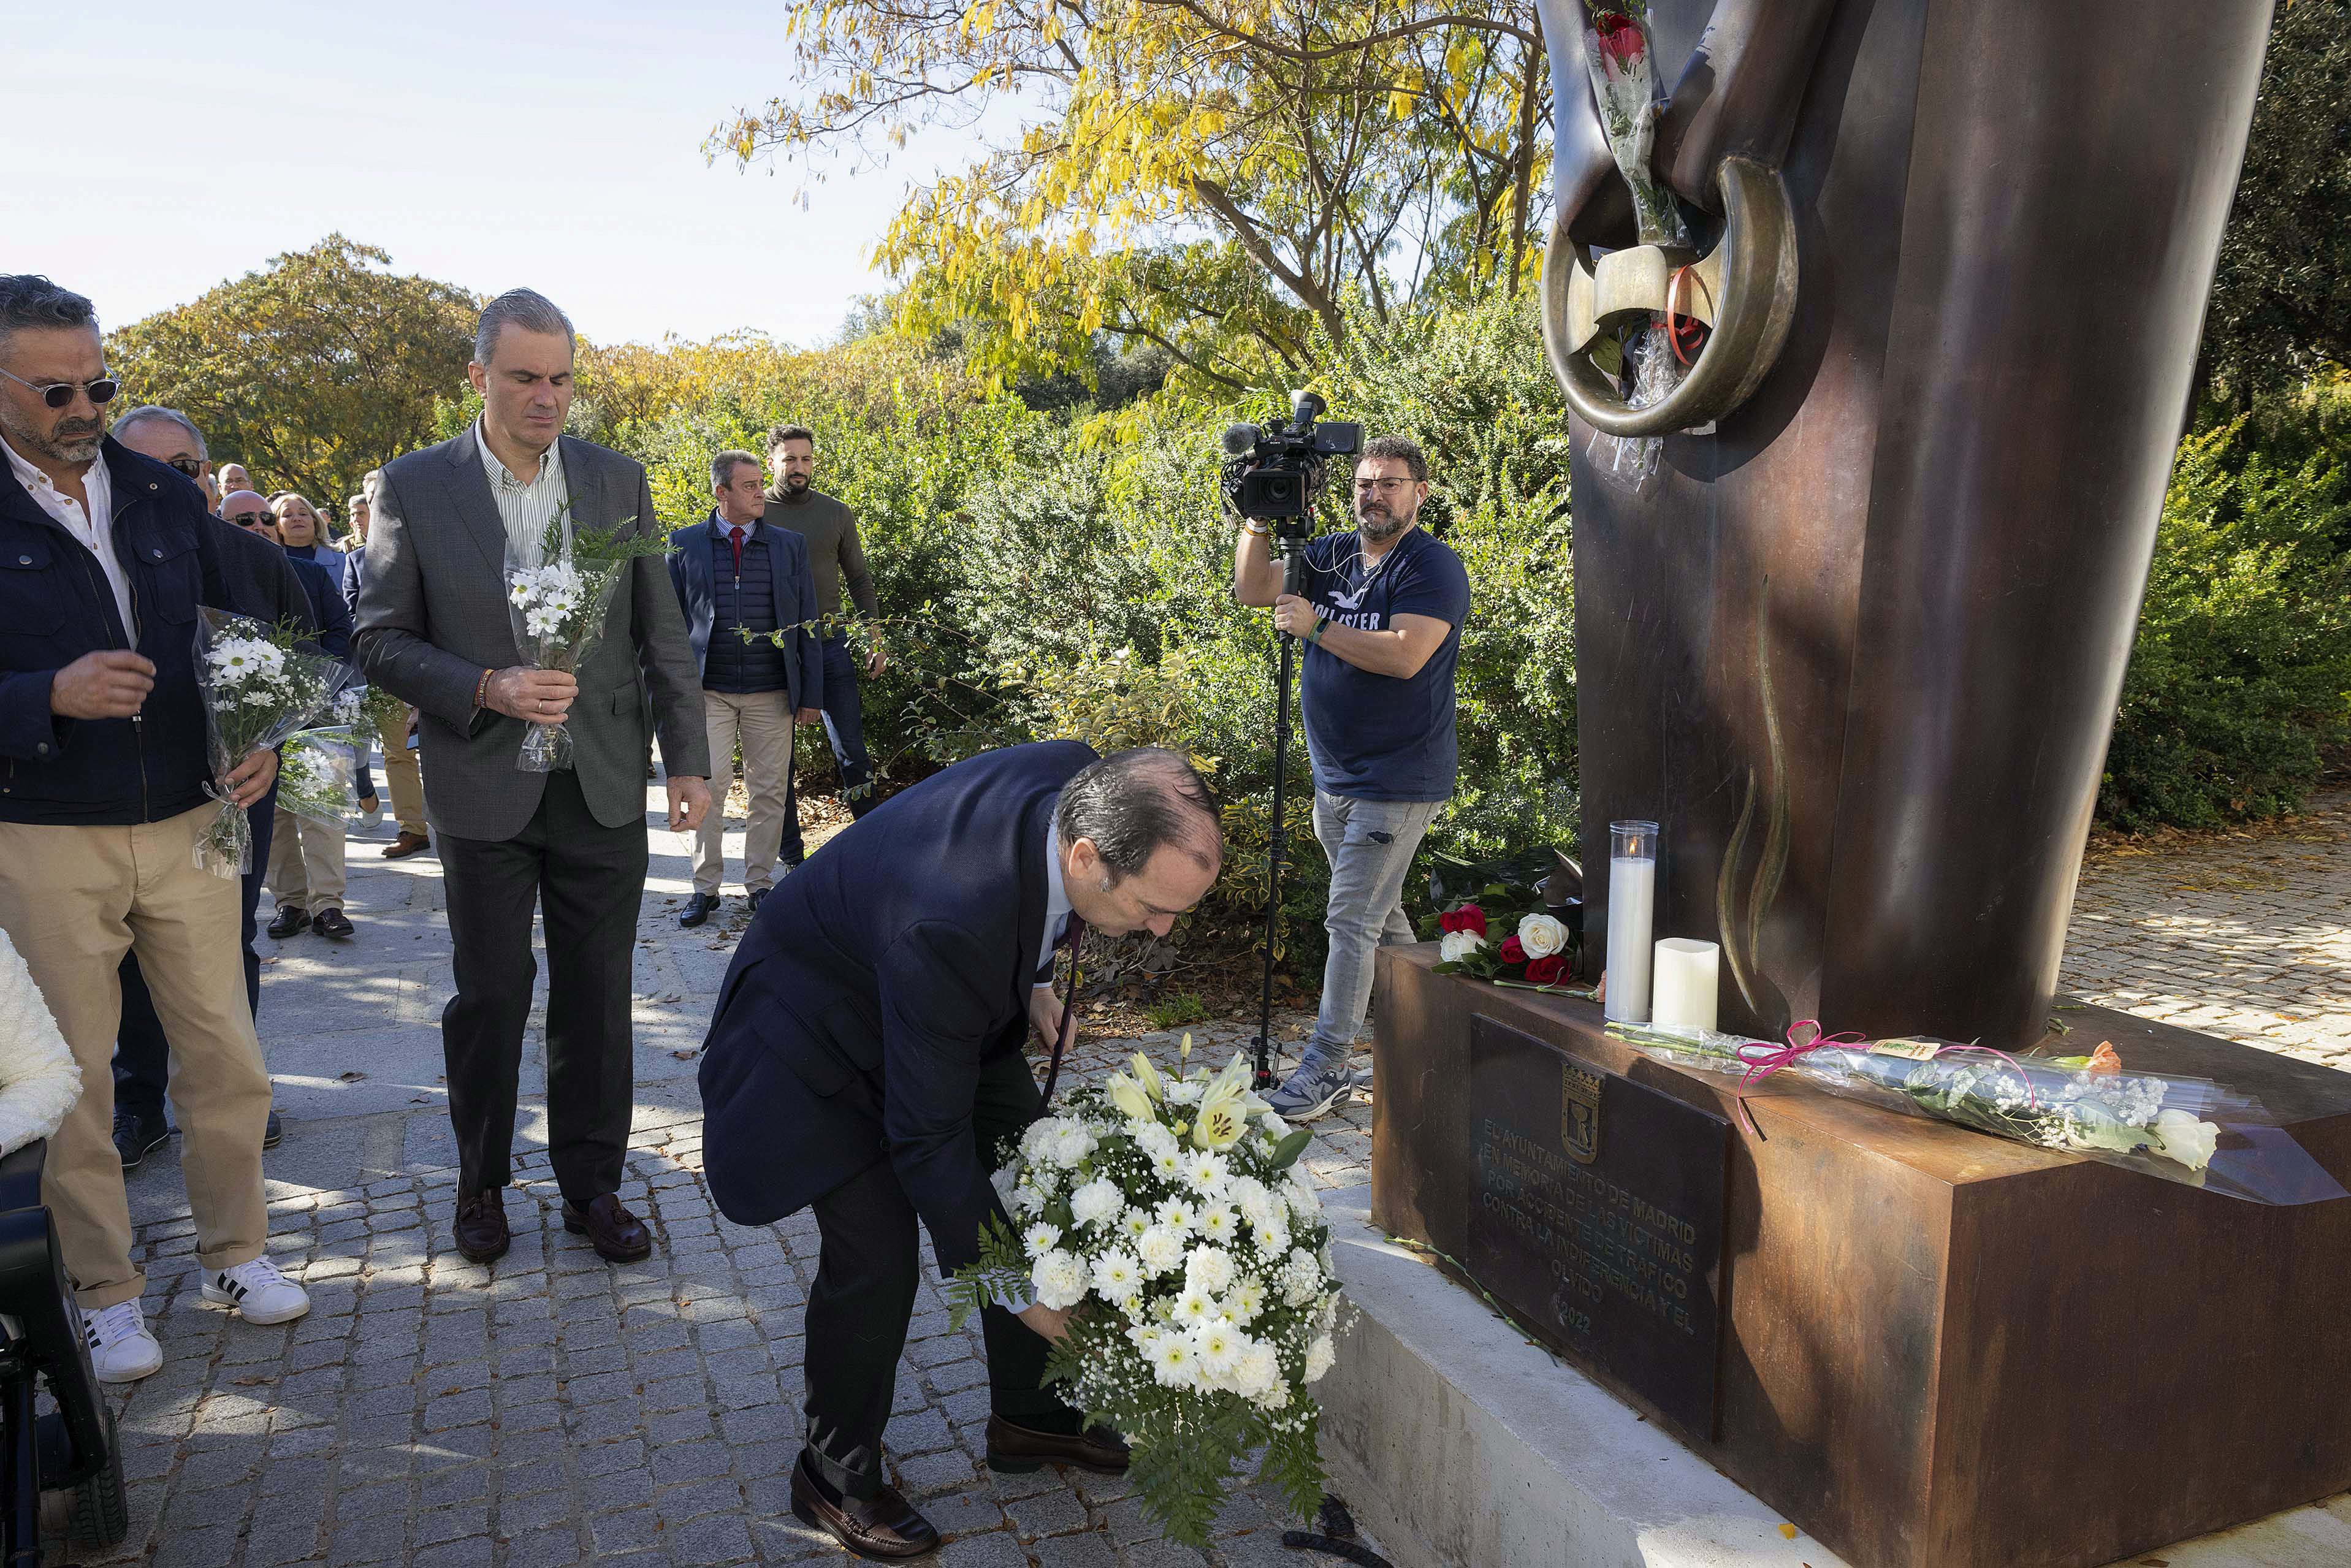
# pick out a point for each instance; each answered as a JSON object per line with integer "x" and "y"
{"x": 1132, "y": 803}
{"x": 1401, "y": 449}
{"x": 29, "y": 299}
{"x": 722, "y": 467}
{"x": 783, "y": 432}
{"x": 523, "y": 307}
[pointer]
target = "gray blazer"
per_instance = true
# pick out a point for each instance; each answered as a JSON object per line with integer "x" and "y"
{"x": 433, "y": 616}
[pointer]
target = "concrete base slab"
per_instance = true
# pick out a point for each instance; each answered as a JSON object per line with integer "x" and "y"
{"x": 1459, "y": 1444}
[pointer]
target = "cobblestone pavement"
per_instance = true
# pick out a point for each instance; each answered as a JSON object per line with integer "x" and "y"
{"x": 2247, "y": 936}
{"x": 555, "y": 1409}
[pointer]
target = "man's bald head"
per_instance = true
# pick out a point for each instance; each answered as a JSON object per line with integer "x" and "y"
{"x": 249, "y": 510}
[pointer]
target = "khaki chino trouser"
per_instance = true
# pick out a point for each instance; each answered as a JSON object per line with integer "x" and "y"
{"x": 763, "y": 721}
{"x": 401, "y": 774}
{"x": 305, "y": 862}
{"x": 74, "y": 900}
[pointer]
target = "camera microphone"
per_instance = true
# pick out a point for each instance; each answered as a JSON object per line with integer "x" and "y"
{"x": 1240, "y": 440}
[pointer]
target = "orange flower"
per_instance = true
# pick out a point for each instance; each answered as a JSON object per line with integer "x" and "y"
{"x": 2105, "y": 1059}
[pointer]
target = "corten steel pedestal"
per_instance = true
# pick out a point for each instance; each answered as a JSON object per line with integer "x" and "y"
{"x": 1880, "y": 616}
{"x": 1944, "y": 1350}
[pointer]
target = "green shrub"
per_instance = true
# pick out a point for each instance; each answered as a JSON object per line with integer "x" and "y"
{"x": 2242, "y": 674}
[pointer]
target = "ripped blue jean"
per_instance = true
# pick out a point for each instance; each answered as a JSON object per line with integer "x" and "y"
{"x": 1370, "y": 844}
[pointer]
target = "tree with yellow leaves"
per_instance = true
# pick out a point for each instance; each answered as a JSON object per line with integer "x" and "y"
{"x": 1216, "y": 177}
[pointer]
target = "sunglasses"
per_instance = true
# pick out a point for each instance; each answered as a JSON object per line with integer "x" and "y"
{"x": 60, "y": 394}
{"x": 251, "y": 519}
{"x": 193, "y": 468}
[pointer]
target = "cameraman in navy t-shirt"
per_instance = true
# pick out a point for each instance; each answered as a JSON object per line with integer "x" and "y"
{"x": 1381, "y": 619}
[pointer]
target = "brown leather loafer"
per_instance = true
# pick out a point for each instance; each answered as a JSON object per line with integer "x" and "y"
{"x": 884, "y": 1526}
{"x": 619, "y": 1237}
{"x": 407, "y": 844}
{"x": 481, "y": 1227}
{"x": 1016, "y": 1451}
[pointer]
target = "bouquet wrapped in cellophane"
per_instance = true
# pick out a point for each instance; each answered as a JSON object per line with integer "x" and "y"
{"x": 318, "y": 767}
{"x": 260, "y": 684}
{"x": 1172, "y": 1216}
{"x": 558, "y": 608}
{"x": 2187, "y": 1130}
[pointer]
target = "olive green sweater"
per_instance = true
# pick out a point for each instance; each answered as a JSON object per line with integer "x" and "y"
{"x": 834, "y": 553}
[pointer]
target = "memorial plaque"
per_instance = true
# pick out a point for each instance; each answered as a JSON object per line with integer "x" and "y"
{"x": 1595, "y": 1217}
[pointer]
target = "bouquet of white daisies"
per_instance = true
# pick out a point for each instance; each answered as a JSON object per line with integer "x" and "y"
{"x": 1172, "y": 1216}
{"x": 559, "y": 606}
{"x": 260, "y": 684}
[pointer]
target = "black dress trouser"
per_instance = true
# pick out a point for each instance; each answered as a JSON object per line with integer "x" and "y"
{"x": 866, "y": 1277}
{"x": 586, "y": 879}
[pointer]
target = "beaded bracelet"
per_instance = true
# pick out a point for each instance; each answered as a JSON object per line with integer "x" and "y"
{"x": 482, "y": 689}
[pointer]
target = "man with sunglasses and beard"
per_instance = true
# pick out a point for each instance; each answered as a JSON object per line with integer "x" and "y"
{"x": 106, "y": 784}
{"x": 1381, "y": 621}
{"x": 263, "y": 584}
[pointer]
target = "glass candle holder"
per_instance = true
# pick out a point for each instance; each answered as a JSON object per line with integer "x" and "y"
{"x": 1631, "y": 918}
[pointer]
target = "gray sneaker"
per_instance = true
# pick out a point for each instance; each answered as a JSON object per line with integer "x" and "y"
{"x": 1311, "y": 1092}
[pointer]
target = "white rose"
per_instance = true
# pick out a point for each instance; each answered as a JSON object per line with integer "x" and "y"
{"x": 2180, "y": 1137}
{"x": 1542, "y": 935}
{"x": 1457, "y": 946}
{"x": 1096, "y": 1202}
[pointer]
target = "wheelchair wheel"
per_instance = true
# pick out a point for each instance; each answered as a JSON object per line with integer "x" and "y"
{"x": 98, "y": 1515}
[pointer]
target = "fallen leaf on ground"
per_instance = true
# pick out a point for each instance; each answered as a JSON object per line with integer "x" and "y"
{"x": 353, "y": 1077}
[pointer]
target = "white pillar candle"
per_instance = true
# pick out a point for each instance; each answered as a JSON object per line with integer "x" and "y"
{"x": 1686, "y": 981}
{"x": 1632, "y": 913}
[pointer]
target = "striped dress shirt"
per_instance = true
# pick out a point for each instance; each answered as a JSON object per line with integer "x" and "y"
{"x": 526, "y": 505}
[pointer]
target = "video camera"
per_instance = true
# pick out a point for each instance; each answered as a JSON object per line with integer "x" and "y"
{"x": 1273, "y": 474}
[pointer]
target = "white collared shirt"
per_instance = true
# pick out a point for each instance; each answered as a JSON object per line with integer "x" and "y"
{"x": 1057, "y": 900}
{"x": 99, "y": 537}
{"x": 718, "y": 521}
{"x": 525, "y": 506}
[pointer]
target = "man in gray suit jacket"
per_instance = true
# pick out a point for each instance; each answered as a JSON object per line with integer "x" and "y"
{"x": 434, "y": 630}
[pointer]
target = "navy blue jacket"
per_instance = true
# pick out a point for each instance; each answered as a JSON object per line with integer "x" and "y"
{"x": 795, "y": 588}
{"x": 55, "y": 606}
{"x": 875, "y": 983}
{"x": 327, "y": 609}
{"x": 354, "y": 577}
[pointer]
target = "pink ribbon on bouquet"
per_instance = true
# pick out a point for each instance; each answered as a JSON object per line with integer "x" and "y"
{"x": 1760, "y": 1065}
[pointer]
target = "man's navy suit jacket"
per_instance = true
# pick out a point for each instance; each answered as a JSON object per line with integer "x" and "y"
{"x": 875, "y": 982}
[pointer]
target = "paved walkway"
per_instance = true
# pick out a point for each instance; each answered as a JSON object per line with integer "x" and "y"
{"x": 557, "y": 1410}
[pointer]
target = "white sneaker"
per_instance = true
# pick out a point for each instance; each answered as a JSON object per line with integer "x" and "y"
{"x": 258, "y": 1291}
{"x": 371, "y": 817}
{"x": 121, "y": 1348}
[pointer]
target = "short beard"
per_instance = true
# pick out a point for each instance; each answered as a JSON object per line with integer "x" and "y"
{"x": 797, "y": 482}
{"x": 81, "y": 449}
{"x": 1383, "y": 531}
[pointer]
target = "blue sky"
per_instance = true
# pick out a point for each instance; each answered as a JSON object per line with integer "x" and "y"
{"x": 153, "y": 149}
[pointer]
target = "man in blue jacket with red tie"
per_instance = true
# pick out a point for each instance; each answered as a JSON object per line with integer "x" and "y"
{"x": 865, "y": 1061}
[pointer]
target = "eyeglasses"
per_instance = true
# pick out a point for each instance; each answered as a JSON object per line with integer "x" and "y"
{"x": 193, "y": 468}
{"x": 60, "y": 394}
{"x": 1382, "y": 487}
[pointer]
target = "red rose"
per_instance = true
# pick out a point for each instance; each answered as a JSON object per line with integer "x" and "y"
{"x": 1620, "y": 42}
{"x": 1547, "y": 971}
{"x": 1472, "y": 918}
{"x": 1513, "y": 951}
{"x": 1448, "y": 920}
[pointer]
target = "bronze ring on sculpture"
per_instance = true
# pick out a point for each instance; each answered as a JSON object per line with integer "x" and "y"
{"x": 1745, "y": 291}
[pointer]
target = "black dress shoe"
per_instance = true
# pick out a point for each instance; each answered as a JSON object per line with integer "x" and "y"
{"x": 332, "y": 923}
{"x": 481, "y": 1227}
{"x": 884, "y": 1526}
{"x": 275, "y": 1134}
{"x": 757, "y": 893}
{"x": 290, "y": 922}
{"x": 697, "y": 909}
{"x": 619, "y": 1237}
{"x": 1017, "y": 1451}
{"x": 138, "y": 1134}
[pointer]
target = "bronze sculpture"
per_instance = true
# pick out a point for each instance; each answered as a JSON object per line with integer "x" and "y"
{"x": 1858, "y": 645}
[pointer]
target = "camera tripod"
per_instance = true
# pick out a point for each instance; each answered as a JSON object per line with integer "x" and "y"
{"x": 1292, "y": 548}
